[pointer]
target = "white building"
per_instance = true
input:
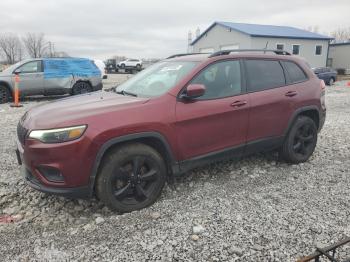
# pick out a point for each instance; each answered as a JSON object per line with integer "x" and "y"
{"x": 225, "y": 35}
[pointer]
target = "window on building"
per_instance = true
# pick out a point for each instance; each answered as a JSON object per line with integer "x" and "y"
{"x": 296, "y": 49}
{"x": 295, "y": 73}
{"x": 280, "y": 46}
{"x": 264, "y": 74}
{"x": 318, "y": 50}
{"x": 221, "y": 79}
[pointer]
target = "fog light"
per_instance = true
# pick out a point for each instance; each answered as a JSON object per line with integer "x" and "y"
{"x": 52, "y": 174}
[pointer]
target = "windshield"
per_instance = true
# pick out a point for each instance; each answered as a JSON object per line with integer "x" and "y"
{"x": 156, "y": 79}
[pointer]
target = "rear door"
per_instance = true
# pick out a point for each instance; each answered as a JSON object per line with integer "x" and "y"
{"x": 31, "y": 78}
{"x": 271, "y": 101}
{"x": 218, "y": 120}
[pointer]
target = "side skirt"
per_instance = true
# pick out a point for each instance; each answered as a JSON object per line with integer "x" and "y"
{"x": 237, "y": 152}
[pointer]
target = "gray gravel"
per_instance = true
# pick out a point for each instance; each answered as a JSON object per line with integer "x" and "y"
{"x": 254, "y": 210}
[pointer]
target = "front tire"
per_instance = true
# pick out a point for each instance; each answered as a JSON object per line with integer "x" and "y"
{"x": 301, "y": 141}
{"x": 5, "y": 95}
{"x": 81, "y": 88}
{"x": 131, "y": 178}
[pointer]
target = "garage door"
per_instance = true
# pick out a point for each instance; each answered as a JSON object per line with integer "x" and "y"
{"x": 229, "y": 47}
{"x": 206, "y": 50}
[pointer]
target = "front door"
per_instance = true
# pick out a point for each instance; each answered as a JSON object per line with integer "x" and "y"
{"x": 31, "y": 78}
{"x": 218, "y": 120}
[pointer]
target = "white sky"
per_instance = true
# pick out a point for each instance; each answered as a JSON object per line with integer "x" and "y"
{"x": 155, "y": 28}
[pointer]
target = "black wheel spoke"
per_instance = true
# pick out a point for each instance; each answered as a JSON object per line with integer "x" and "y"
{"x": 141, "y": 193}
{"x": 303, "y": 149}
{"x": 297, "y": 146}
{"x": 307, "y": 138}
{"x": 137, "y": 163}
{"x": 149, "y": 176}
{"x": 123, "y": 192}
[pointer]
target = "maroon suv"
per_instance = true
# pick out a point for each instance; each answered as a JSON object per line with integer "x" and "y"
{"x": 183, "y": 112}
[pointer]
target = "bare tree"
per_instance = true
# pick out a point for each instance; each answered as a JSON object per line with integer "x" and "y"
{"x": 35, "y": 44}
{"x": 11, "y": 47}
{"x": 341, "y": 34}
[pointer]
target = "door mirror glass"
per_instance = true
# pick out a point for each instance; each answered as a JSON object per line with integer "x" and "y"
{"x": 193, "y": 91}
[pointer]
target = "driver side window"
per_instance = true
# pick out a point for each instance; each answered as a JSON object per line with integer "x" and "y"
{"x": 31, "y": 67}
{"x": 222, "y": 79}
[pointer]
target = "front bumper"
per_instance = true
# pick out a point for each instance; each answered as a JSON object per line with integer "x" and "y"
{"x": 72, "y": 159}
{"x": 77, "y": 192}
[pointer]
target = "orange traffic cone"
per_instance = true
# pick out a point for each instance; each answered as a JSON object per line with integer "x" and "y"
{"x": 16, "y": 93}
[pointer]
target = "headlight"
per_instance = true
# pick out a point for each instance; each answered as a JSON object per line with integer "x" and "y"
{"x": 58, "y": 135}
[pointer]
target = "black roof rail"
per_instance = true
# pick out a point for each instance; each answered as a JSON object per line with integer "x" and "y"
{"x": 227, "y": 52}
{"x": 185, "y": 54}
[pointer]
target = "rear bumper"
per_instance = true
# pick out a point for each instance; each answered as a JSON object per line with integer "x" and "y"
{"x": 322, "y": 119}
{"x": 77, "y": 192}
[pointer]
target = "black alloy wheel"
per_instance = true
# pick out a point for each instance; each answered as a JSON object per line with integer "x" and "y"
{"x": 131, "y": 177}
{"x": 301, "y": 141}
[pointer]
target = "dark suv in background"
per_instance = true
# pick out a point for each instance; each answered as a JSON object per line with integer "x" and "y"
{"x": 181, "y": 113}
{"x": 328, "y": 75}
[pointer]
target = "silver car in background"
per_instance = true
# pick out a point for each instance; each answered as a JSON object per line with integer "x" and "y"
{"x": 50, "y": 76}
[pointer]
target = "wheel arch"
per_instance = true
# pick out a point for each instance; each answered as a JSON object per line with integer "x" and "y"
{"x": 152, "y": 139}
{"x": 7, "y": 85}
{"x": 309, "y": 111}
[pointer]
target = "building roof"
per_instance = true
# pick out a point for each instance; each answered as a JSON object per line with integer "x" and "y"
{"x": 274, "y": 31}
{"x": 339, "y": 44}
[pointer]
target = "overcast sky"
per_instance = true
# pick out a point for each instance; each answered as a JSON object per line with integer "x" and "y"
{"x": 155, "y": 28}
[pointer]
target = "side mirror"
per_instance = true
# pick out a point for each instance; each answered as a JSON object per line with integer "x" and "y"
{"x": 193, "y": 91}
{"x": 17, "y": 71}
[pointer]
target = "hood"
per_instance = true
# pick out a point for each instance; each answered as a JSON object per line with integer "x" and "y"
{"x": 76, "y": 110}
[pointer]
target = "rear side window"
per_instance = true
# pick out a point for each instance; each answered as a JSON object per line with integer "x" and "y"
{"x": 295, "y": 73}
{"x": 264, "y": 74}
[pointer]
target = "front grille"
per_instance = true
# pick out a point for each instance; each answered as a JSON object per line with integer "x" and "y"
{"x": 21, "y": 133}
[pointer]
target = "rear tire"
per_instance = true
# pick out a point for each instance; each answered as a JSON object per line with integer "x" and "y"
{"x": 131, "y": 177}
{"x": 300, "y": 142}
{"x": 81, "y": 88}
{"x": 122, "y": 66}
{"x": 5, "y": 95}
{"x": 331, "y": 81}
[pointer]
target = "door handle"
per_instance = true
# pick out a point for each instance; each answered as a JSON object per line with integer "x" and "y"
{"x": 291, "y": 93}
{"x": 238, "y": 103}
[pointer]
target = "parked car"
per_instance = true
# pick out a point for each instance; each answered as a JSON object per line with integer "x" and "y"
{"x": 111, "y": 66}
{"x": 102, "y": 67}
{"x": 130, "y": 63}
{"x": 327, "y": 74}
{"x": 50, "y": 76}
{"x": 123, "y": 146}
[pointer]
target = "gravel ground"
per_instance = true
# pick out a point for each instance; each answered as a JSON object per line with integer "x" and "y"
{"x": 256, "y": 209}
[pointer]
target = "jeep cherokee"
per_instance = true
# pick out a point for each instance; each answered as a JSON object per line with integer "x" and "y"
{"x": 180, "y": 113}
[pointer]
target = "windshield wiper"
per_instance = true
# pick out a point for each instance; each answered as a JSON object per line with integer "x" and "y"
{"x": 123, "y": 92}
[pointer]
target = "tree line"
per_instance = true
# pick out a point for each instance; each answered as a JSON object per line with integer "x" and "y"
{"x": 14, "y": 48}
